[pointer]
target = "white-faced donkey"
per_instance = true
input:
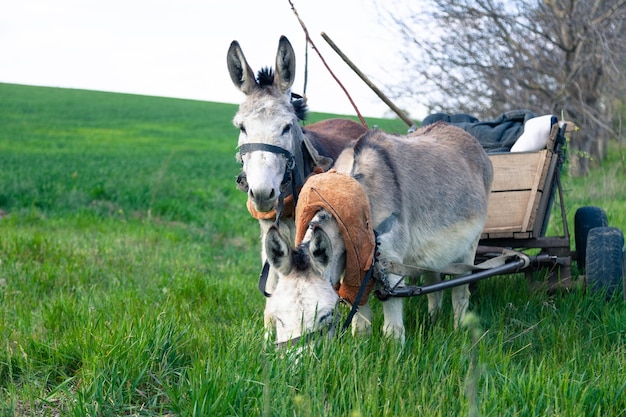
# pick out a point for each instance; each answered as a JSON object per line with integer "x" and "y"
{"x": 275, "y": 152}
{"x": 426, "y": 196}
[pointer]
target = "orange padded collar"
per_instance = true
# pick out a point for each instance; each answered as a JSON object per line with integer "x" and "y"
{"x": 343, "y": 197}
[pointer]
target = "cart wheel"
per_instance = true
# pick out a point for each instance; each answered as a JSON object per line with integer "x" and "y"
{"x": 605, "y": 259}
{"x": 586, "y": 218}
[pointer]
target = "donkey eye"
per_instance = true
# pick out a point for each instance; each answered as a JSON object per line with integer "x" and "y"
{"x": 286, "y": 129}
{"x": 324, "y": 318}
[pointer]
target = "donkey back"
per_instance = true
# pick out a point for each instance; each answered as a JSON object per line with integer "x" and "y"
{"x": 428, "y": 189}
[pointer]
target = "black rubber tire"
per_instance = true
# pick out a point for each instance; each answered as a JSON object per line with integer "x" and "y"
{"x": 586, "y": 218}
{"x": 605, "y": 260}
{"x": 624, "y": 273}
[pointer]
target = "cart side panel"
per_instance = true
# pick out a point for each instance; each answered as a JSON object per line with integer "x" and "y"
{"x": 519, "y": 180}
{"x": 515, "y": 171}
{"x": 507, "y": 211}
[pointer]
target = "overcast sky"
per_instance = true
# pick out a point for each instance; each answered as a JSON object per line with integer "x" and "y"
{"x": 178, "y": 48}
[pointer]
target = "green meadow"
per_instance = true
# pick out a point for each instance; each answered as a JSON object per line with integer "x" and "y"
{"x": 128, "y": 275}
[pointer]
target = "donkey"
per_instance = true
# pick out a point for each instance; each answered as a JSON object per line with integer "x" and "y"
{"x": 276, "y": 153}
{"x": 428, "y": 194}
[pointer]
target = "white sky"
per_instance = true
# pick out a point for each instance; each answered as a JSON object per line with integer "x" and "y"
{"x": 178, "y": 48}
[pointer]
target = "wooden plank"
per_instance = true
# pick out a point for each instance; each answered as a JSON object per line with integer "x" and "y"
{"x": 548, "y": 169}
{"x": 506, "y": 211}
{"x": 537, "y": 178}
{"x": 505, "y": 235}
{"x": 543, "y": 209}
{"x": 516, "y": 193}
{"x": 516, "y": 171}
{"x": 554, "y": 132}
{"x": 533, "y": 214}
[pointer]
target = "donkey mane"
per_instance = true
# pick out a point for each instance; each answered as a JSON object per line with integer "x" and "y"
{"x": 301, "y": 259}
{"x": 265, "y": 79}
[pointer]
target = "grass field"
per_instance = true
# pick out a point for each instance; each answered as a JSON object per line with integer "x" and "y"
{"x": 128, "y": 269}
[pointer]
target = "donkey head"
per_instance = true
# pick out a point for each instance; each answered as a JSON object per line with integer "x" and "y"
{"x": 268, "y": 123}
{"x": 304, "y": 299}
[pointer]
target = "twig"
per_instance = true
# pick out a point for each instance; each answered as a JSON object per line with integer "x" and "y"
{"x": 308, "y": 38}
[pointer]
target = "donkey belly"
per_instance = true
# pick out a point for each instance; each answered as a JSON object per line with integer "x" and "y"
{"x": 441, "y": 247}
{"x": 430, "y": 235}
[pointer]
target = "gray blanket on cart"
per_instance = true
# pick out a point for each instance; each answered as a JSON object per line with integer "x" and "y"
{"x": 497, "y": 135}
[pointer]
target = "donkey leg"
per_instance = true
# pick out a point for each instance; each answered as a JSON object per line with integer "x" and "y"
{"x": 460, "y": 303}
{"x": 392, "y": 310}
{"x": 434, "y": 299}
{"x": 267, "y": 324}
{"x": 362, "y": 322}
{"x": 461, "y": 294}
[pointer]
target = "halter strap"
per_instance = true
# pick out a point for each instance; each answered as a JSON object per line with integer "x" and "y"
{"x": 266, "y": 147}
{"x": 251, "y": 147}
{"x": 355, "y": 305}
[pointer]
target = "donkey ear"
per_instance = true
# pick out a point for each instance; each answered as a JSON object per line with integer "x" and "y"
{"x": 320, "y": 249}
{"x": 278, "y": 251}
{"x": 239, "y": 70}
{"x": 285, "y": 65}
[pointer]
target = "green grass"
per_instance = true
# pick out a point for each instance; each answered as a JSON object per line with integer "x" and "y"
{"x": 128, "y": 269}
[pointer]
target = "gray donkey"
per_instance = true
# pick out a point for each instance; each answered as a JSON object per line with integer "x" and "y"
{"x": 428, "y": 194}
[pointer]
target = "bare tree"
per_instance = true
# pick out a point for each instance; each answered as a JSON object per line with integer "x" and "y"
{"x": 485, "y": 57}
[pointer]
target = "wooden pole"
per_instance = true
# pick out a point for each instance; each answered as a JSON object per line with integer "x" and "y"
{"x": 370, "y": 84}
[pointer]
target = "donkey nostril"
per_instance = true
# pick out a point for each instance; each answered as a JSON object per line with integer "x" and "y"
{"x": 251, "y": 193}
{"x": 272, "y": 193}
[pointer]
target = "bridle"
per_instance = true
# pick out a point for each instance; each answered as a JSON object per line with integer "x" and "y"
{"x": 294, "y": 175}
{"x": 294, "y": 168}
{"x": 291, "y": 175}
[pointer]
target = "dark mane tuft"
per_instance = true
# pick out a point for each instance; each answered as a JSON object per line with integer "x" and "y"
{"x": 301, "y": 260}
{"x": 299, "y": 106}
{"x": 265, "y": 77}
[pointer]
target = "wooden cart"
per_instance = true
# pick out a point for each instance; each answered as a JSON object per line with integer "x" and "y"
{"x": 525, "y": 188}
